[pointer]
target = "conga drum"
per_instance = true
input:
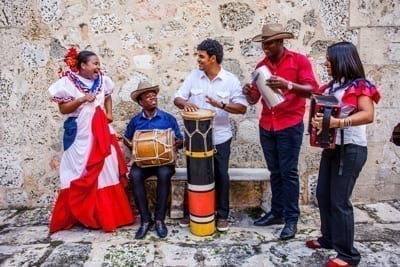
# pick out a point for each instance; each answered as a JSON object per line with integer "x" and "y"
{"x": 153, "y": 147}
{"x": 199, "y": 151}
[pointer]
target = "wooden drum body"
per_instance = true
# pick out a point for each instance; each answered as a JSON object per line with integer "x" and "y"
{"x": 153, "y": 147}
{"x": 199, "y": 151}
{"x": 329, "y": 106}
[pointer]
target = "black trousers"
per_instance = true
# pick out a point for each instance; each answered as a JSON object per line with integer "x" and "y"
{"x": 137, "y": 176}
{"x": 221, "y": 165}
{"x": 281, "y": 152}
{"x": 333, "y": 195}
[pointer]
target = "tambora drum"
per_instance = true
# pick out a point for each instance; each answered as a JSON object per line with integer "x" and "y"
{"x": 153, "y": 147}
{"x": 199, "y": 151}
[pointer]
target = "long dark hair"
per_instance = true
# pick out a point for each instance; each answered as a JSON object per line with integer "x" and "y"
{"x": 83, "y": 57}
{"x": 345, "y": 62}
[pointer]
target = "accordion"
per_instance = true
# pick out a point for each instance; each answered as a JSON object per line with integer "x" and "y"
{"x": 329, "y": 106}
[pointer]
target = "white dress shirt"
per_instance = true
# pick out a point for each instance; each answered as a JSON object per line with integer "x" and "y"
{"x": 225, "y": 87}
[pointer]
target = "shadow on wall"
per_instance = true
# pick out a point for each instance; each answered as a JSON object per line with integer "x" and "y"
{"x": 396, "y": 135}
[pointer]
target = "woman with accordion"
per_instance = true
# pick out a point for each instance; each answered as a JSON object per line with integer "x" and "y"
{"x": 340, "y": 166}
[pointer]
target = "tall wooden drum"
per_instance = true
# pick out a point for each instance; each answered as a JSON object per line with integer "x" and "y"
{"x": 199, "y": 151}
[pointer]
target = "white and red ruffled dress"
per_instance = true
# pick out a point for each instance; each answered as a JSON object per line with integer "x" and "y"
{"x": 92, "y": 169}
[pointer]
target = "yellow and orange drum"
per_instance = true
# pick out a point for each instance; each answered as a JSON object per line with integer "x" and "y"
{"x": 199, "y": 151}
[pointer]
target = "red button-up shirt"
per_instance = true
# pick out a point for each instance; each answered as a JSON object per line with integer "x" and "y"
{"x": 293, "y": 67}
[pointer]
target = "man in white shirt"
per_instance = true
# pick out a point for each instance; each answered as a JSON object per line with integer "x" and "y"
{"x": 212, "y": 87}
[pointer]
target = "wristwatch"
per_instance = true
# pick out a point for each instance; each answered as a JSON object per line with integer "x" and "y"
{"x": 290, "y": 86}
{"x": 223, "y": 105}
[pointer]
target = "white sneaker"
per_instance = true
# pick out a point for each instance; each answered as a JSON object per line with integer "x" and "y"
{"x": 222, "y": 225}
{"x": 184, "y": 222}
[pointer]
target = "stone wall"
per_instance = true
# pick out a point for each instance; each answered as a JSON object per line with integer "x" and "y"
{"x": 156, "y": 40}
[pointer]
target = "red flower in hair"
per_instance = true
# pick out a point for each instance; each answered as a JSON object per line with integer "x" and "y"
{"x": 71, "y": 59}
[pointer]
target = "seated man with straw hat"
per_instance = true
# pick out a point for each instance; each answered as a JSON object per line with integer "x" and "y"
{"x": 151, "y": 118}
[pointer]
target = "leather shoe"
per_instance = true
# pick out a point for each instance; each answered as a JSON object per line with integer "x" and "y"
{"x": 268, "y": 219}
{"x": 161, "y": 229}
{"x": 143, "y": 229}
{"x": 289, "y": 231}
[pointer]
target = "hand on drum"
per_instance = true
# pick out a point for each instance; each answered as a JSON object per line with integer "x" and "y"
{"x": 316, "y": 122}
{"x": 190, "y": 107}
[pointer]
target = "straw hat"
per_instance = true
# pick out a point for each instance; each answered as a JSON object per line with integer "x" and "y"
{"x": 271, "y": 32}
{"x": 144, "y": 86}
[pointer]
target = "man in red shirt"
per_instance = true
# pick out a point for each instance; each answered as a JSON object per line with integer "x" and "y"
{"x": 281, "y": 126}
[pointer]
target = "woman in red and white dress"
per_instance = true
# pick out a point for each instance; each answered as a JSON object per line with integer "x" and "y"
{"x": 92, "y": 169}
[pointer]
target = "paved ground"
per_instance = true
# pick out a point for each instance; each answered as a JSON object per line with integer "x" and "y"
{"x": 24, "y": 241}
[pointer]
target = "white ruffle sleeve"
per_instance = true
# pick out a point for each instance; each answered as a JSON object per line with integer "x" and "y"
{"x": 62, "y": 91}
{"x": 108, "y": 86}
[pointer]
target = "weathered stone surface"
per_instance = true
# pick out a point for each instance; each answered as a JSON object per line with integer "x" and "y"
{"x": 243, "y": 245}
{"x": 24, "y": 255}
{"x": 235, "y": 15}
{"x": 24, "y": 236}
{"x": 14, "y": 13}
{"x": 106, "y": 23}
{"x": 68, "y": 255}
{"x": 374, "y": 13}
{"x": 126, "y": 254}
{"x": 156, "y": 41}
{"x": 371, "y": 41}
{"x": 10, "y": 169}
{"x": 384, "y": 212}
{"x": 334, "y": 16}
{"x": 49, "y": 10}
{"x": 33, "y": 55}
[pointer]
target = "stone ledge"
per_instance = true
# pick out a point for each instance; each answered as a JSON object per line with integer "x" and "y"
{"x": 235, "y": 174}
{"x": 248, "y": 187}
{"x": 246, "y": 190}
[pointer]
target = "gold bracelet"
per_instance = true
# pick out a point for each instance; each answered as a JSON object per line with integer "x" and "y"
{"x": 341, "y": 123}
{"x": 349, "y": 122}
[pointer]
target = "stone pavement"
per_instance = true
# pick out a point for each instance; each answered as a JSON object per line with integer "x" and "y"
{"x": 24, "y": 241}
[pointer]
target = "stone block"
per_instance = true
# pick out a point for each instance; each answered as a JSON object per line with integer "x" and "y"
{"x": 68, "y": 254}
{"x": 24, "y": 255}
{"x": 235, "y": 15}
{"x": 10, "y": 169}
{"x": 384, "y": 212}
{"x": 17, "y": 198}
{"x": 375, "y": 46}
{"x": 374, "y": 13}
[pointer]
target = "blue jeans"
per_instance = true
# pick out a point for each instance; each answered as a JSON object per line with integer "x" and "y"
{"x": 137, "y": 176}
{"x": 333, "y": 194}
{"x": 281, "y": 151}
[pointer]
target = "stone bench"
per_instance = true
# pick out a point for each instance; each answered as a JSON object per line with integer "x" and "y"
{"x": 249, "y": 188}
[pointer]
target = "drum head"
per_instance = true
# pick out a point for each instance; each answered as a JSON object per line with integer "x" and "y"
{"x": 201, "y": 114}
